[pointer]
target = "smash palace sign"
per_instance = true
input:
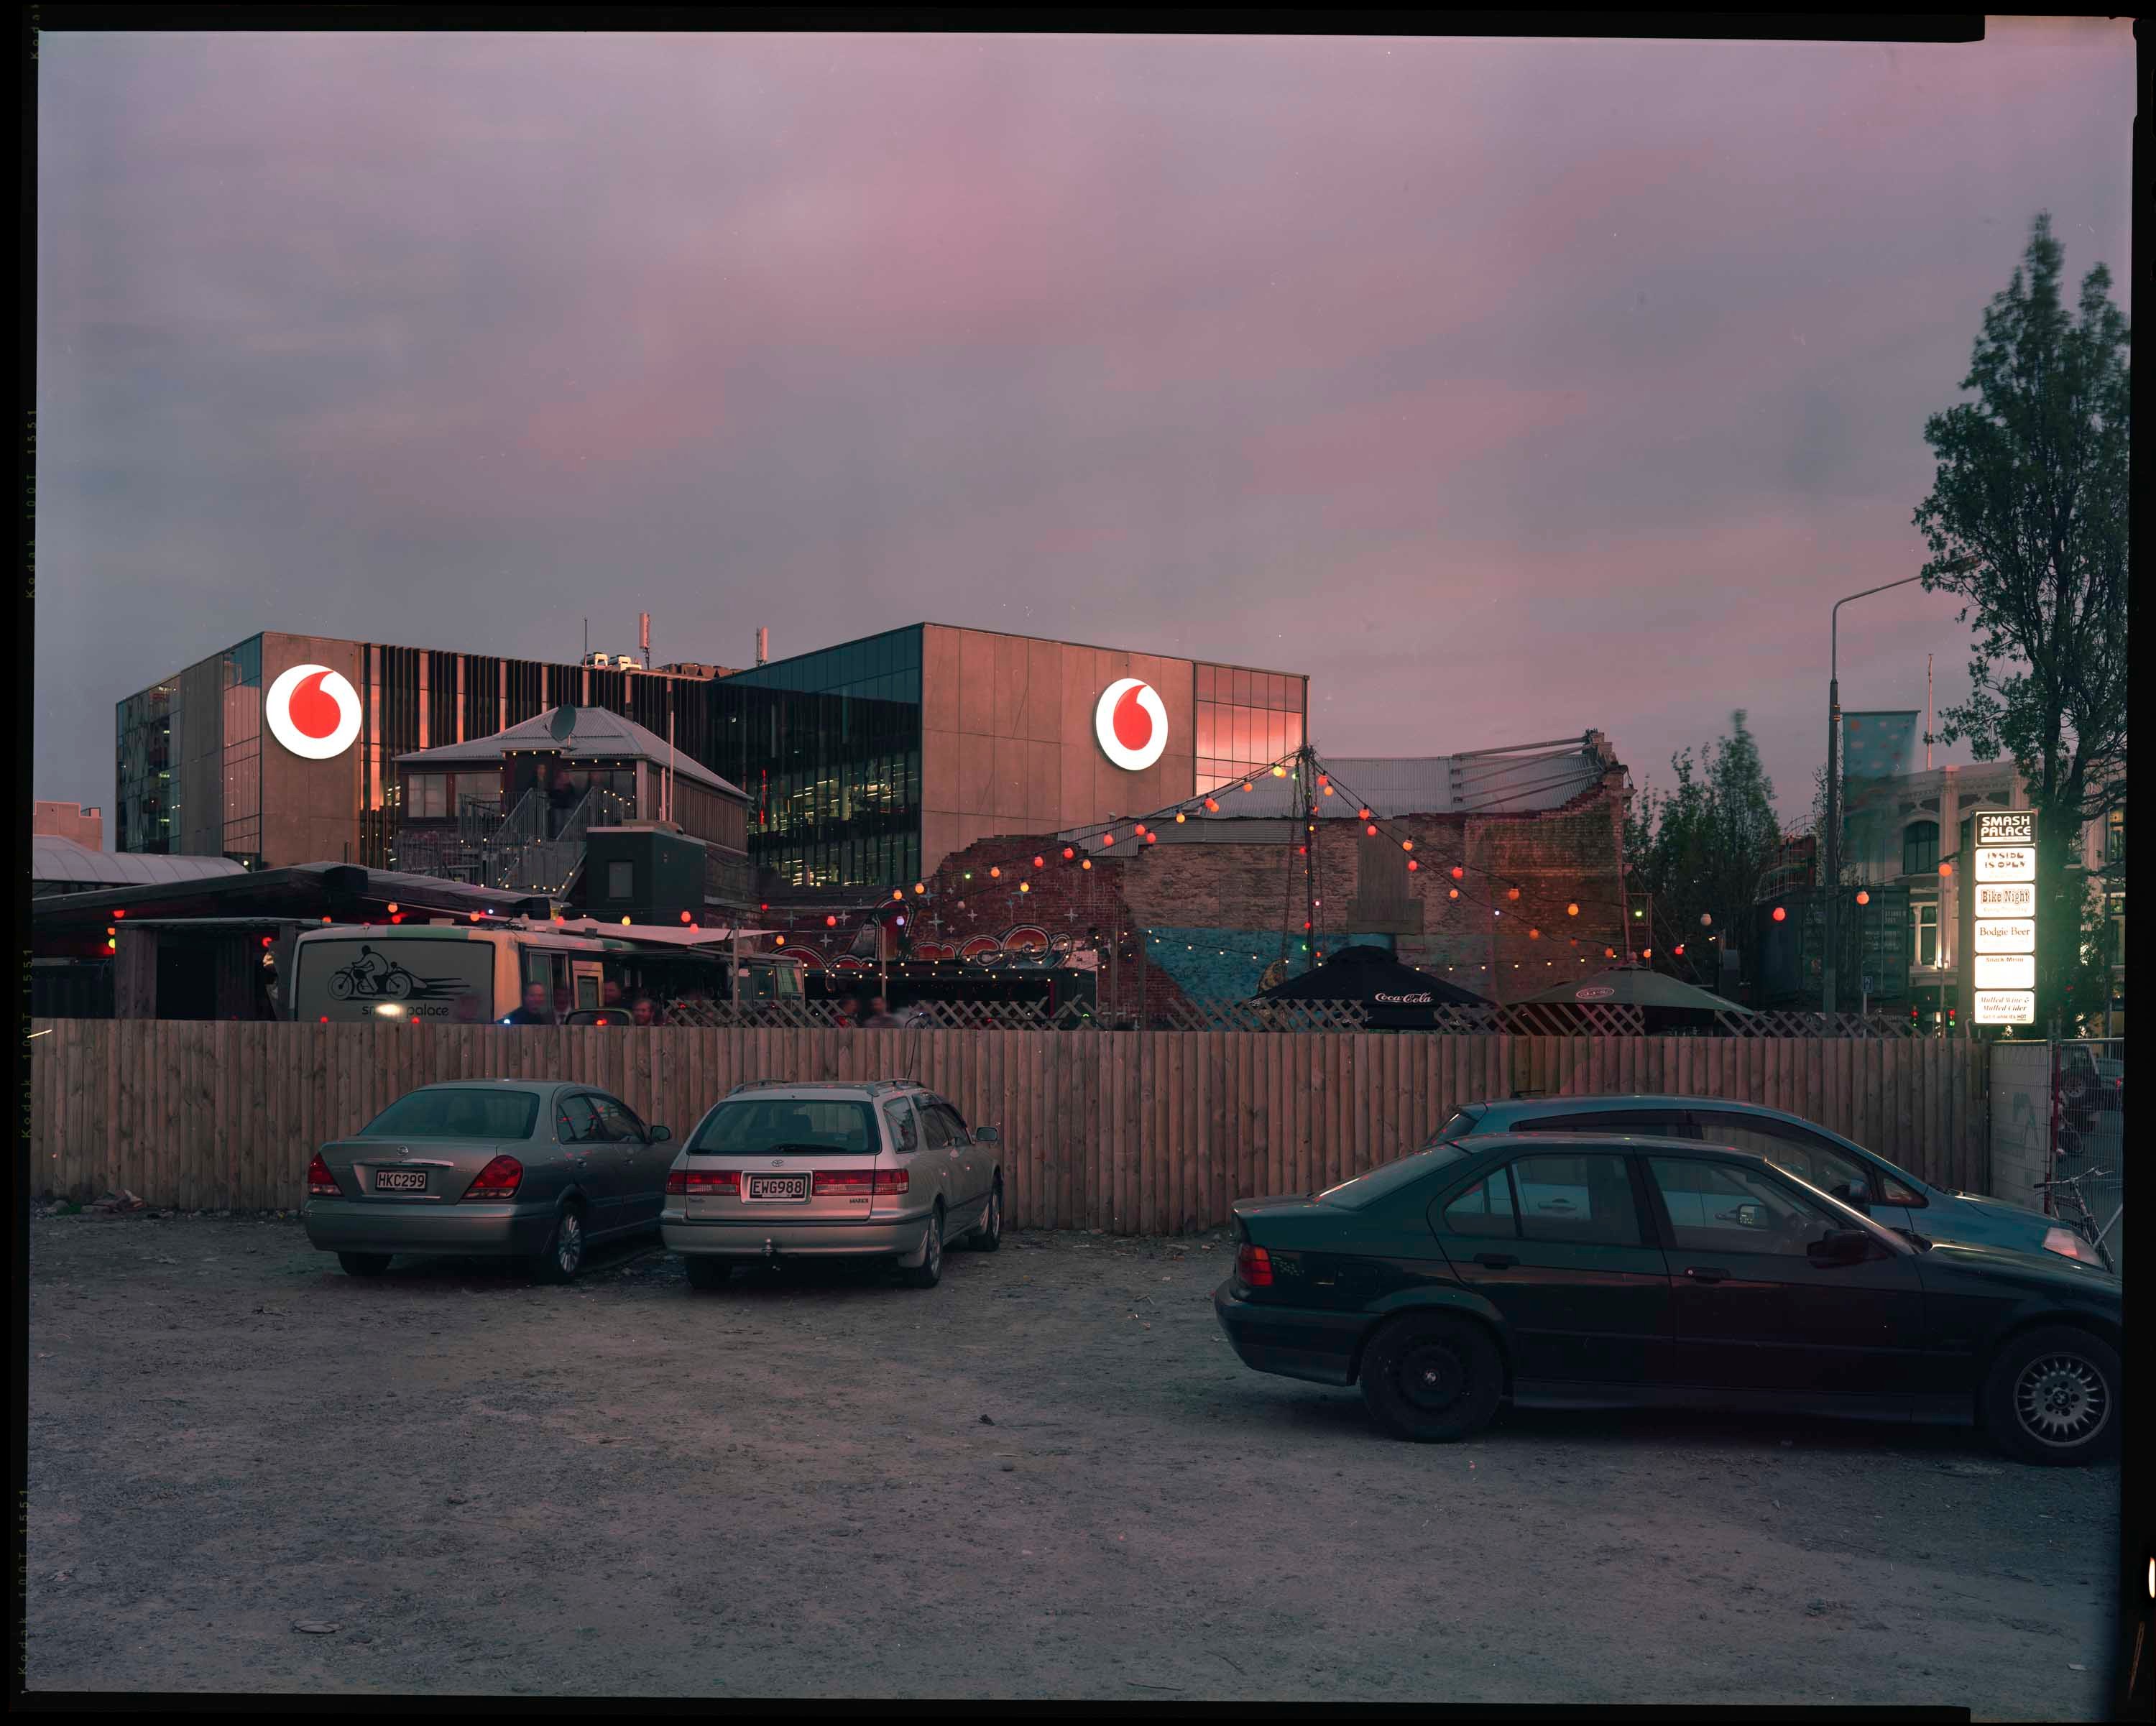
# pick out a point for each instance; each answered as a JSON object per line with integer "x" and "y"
{"x": 313, "y": 711}
{"x": 2003, "y": 930}
{"x": 1131, "y": 724}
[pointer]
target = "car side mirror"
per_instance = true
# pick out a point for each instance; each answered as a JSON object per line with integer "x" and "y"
{"x": 1842, "y": 1246}
{"x": 659, "y": 1136}
{"x": 987, "y": 1136}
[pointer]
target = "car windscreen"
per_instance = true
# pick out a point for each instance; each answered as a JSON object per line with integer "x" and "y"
{"x": 1459, "y": 1125}
{"x": 457, "y": 1113}
{"x": 1362, "y": 1190}
{"x": 787, "y": 1126}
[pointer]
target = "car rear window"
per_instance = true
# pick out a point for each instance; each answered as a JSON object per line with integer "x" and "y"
{"x": 1459, "y": 1125}
{"x": 1362, "y": 1191}
{"x": 775, "y": 1126}
{"x": 458, "y": 1114}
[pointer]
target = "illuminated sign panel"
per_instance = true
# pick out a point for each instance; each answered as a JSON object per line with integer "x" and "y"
{"x": 2006, "y": 863}
{"x": 2005, "y": 970}
{"x": 2005, "y": 1006}
{"x": 2003, "y": 962}
{"x": 2006, "y": 826}
{"x": 2009, "y": 934}
{"x": 1130, "y": 722}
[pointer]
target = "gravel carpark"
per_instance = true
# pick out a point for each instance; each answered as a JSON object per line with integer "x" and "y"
{"x": 1049, "y": 1477}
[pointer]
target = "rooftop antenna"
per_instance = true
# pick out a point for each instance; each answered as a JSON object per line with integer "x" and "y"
{"x": 587, "y": 638}
{"x": 1927, "y": 713}
{"x": 762, "y": 647}
{"x": 644, "y": 637}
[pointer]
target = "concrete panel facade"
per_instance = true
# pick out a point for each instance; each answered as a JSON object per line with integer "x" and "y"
{"x": 309, "y": 809}
{"x": 1011, "y": 748}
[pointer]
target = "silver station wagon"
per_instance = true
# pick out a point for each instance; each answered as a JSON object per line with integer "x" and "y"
{"x": 525, "y": 1168}
{"x": 863, "y": 1168}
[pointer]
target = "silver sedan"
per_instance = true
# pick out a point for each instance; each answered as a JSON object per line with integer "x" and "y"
{"x": 530, "y": 1169}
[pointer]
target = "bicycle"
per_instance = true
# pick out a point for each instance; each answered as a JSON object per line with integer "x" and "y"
{"x": 2081, "y": 1219}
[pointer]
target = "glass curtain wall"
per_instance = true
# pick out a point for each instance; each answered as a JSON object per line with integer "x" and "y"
{"x": 828, "y": 747}
{"x": 145, "y": 784}
{"x": 1246, "y": 720}
{"x": 243, "y": 753}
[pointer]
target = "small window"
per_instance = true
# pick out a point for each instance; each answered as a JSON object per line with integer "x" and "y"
{"x": 1924, "y": 934}
{"x": 1485, "y": 1208}
{"x": 621, "y": 881}
{"x": 1892, "y": 1191}
{"x": 903, "y": 1132}
{"x": 935, "y": 1127}
{"x": 1586, "y": 1200}
{"x": 1920, "y": 848}
{"x": 576, "y": 1122}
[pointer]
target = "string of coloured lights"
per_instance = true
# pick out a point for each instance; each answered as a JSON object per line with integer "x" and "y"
{"x": 1473, "y": 886}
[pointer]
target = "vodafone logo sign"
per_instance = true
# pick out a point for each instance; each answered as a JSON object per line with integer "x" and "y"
{"x": 1132, "y": 723}
{"x": 313, "y": 711}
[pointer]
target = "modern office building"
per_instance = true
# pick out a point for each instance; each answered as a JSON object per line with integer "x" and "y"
{"x": 865, "y": 764}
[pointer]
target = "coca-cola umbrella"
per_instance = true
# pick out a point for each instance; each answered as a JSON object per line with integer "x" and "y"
{"x": 1396, "y": 997}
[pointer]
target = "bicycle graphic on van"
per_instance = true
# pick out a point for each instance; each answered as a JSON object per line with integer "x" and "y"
{"x": 371, "y": 977}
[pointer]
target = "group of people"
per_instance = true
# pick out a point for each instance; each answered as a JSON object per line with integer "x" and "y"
{"x": 544, "y": 1007}
{"x": 873, "y": 1012}
{"x": 539, "y": 1008}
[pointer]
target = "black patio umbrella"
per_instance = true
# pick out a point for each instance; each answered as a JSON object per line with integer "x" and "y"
{"x": 1636, "y": 988}
{"x": 1667, "y": 1003}
{"x": 1396, "y": 997}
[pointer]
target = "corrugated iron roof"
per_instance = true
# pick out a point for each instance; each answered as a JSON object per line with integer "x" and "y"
{"x": 53, "y": 859}
{"x": 1537, "y": 777}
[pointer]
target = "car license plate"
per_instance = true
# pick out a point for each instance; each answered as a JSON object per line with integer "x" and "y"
{"x": 778, "y": 1187}
{"x": 400, "y": 1180}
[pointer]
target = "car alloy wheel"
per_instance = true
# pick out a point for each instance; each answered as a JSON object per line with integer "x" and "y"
{"x": 990, "y": 1234}
{"x": 563, "y": 1255}
{"x": 2061, "y": 1399}
{"x": 2052, "y": 1397}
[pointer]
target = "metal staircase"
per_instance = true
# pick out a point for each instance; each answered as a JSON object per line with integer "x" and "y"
{"x": 522, "y": 852}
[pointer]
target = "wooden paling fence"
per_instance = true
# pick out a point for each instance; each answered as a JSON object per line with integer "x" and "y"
{"x": 1142, "y": 1132}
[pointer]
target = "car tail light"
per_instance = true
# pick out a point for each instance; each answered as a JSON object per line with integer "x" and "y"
{"x": 1255, "y": 1265}
{"x": 860, "y": 1180}
{"x": 888, "y": 1183}
{"x": 2065, "y": 1243}
{"x": 320, "y": 1183}
{"x": 499, "y": 1179}
{"x": 703, "y": 1183}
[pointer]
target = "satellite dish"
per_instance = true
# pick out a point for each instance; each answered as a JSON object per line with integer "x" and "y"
{"x": 564, "y": 726}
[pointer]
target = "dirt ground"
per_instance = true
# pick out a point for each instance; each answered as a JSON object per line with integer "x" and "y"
{"x": 1049, "y": 1478}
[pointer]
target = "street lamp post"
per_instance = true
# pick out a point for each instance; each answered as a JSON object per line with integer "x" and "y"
{"x": 1829, "y": 921}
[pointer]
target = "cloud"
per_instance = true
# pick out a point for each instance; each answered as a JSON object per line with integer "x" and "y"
{"x": 1494, "y": 383}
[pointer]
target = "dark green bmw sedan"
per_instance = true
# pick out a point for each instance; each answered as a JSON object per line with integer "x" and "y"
{"x": 1561, "y": 1271}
